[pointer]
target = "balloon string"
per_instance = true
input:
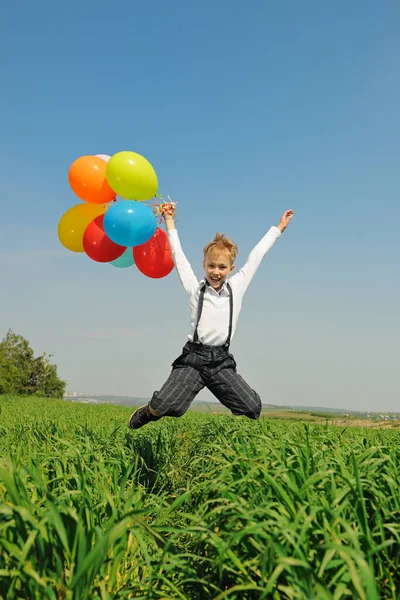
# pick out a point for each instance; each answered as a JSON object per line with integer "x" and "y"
{"x": 107, "y": 206}
{"x": 165, "y": 208}
{"x": 160, "y": 210}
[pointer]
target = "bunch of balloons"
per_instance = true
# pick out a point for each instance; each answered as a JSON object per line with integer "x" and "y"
{"x": 121, "y": 232}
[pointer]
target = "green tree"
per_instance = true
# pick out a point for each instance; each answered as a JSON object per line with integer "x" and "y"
{"x": 22, "y": 373}
{"x": 43, "y": 380}
{"x": 16, "y": 357}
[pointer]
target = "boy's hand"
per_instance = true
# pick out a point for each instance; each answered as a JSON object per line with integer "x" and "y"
{"x": 285, "y": 220}
{"x": 166, "y": 210}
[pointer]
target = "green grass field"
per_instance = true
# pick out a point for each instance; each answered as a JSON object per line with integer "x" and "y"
{"x": 206, "y": 506}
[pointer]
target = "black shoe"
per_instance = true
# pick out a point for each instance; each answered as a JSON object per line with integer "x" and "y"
{"x": 141, "y": 417}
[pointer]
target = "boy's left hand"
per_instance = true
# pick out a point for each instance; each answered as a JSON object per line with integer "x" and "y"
{"x": 285, "y": 220}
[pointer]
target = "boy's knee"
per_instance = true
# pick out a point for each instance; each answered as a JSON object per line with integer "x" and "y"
{"x": 253, "y": 415}
{"x": 177, "y": 411}
{"x": 168, "y": 411}
{"x": 251, "y": 410}
{"x": 254, "y": 411}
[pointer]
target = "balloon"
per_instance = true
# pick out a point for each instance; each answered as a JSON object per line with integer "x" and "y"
{"x": 97, "y": 245}
{"x": 132, "y": 176}
{"x": 104, "y": 157}
{"x": 125, "y": 260}
{"x": 87, "y": 178}
{"x": 129, "y": 223}
{"x": 154, "y": 258}
{"x": 73, "y": 223}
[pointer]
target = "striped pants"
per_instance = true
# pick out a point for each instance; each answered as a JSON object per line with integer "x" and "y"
{"x": 202, "y": 366}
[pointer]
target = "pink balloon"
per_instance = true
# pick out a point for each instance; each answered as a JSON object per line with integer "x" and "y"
{"x": 104, "y": 157}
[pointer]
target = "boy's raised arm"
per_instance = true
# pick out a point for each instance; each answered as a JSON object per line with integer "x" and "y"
{"x": 185, "y": 271}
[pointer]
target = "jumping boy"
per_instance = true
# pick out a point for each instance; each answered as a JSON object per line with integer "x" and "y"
{"x": 215, "y": 304}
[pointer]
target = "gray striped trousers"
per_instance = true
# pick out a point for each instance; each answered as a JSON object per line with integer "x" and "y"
{"x": 202, "y": 366}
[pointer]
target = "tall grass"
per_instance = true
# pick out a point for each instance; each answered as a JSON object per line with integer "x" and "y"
{"x": 195, "y": 508}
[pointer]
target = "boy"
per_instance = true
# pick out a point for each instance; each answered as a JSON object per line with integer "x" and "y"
{"x": 215, "y": 303}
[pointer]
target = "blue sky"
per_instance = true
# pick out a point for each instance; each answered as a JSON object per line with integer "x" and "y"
{"x": 244, "y": 110}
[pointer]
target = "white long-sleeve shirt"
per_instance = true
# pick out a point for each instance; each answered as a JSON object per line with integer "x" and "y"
{"x": 213, "y": 327}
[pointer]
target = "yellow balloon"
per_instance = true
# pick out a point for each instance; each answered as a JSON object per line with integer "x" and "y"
{"x": 131, "y": 176}
{"x": 73, "y": 223}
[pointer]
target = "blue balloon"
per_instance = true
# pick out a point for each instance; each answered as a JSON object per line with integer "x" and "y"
{"x": 125, "y": 260}
{"x": 129, "y": 223}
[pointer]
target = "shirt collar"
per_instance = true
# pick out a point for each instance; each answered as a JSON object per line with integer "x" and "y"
{"x": 223, "y": 289}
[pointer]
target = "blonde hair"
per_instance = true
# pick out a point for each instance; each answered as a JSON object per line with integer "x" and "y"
{"x": 222, "y": 243}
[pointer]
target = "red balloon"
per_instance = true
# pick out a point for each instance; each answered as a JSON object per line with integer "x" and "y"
{"x": 154, "y": 258}
{"x": 98, "y": 245}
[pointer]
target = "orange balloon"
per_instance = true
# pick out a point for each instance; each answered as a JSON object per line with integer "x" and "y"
{"x": 87, "y": 178}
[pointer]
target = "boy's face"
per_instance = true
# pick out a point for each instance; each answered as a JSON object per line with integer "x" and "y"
{"x": 217, "y": 267}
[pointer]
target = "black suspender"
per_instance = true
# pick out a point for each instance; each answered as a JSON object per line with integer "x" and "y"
{"x": 228, "y": 341}
{"x": 200, "y": 309}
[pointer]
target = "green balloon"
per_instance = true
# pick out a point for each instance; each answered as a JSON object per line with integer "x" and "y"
{"x": 131, "y": 176}
{"x": 125, "y": 260}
